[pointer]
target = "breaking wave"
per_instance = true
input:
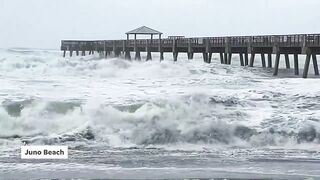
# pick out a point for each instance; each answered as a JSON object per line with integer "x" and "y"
{"x": 32, "y": 64}
{"x": 38, "y": 63}
{"x": 196, "y": 119}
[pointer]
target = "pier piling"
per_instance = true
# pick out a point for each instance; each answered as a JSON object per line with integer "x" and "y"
{"x": 229, "y": 58}
{"x": 296, "y": 64}
{"x": 306, "y": 65}
{"x": 252, "y": 59}
{"x": 269, "y": 60}
{"x": 246, "y": 58}
{"x": 263, "y": 60}
{"x": 225, "y": 58}
{"x": 241, "y": 59}
{"x": 127, "y": 55}
{"x": 276, "y": 64}
{"x": 210, "y": 58}
{"x": 315, "y": 64}
{"x": 221, "y": 58}
{"x": 175, "y": 56}
{"x": 161, "y": 56}
{"x": 149, "y": 56}
{"x": 287, "y": 60}
{"x": 138, "y": 56}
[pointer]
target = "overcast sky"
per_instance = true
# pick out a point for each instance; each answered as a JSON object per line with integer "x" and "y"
{"x": 43, "y": 23}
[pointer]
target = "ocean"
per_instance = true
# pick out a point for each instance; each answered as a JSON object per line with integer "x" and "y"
{"x": 156, "y": 120}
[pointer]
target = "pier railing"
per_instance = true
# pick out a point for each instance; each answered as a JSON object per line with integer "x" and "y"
{"x": 299, "y": 40}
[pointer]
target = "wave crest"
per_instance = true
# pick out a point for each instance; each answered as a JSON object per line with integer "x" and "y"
{"x": 196, "y": 119}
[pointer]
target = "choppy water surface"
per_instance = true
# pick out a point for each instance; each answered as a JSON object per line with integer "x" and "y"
{"x": 156, "y": 120}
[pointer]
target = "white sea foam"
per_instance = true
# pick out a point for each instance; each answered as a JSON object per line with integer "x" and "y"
{"x": 49, "y": 99}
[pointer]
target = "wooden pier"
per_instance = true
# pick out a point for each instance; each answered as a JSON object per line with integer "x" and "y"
{"x": 246, "y": 47}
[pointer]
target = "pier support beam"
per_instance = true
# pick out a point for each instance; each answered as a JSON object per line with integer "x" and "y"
{"x": 263, "y": 60}
{"x": 306, "y": 65}
{"x": 252, "y": 59}
{"x": 101, "y": 54}
{"x": 225, "y": 58}
{"x": 205, "y": 57}
{"x": 175, "y": 56}
{"x": 105, "y": 54}
{"x": 276, "y": 65}
{"x": 91, "y": 52}
{"x": 77, "y": 52}
{"x": 64, "y": 53}
{"x": 117, "y": 53}
{"x": 137, "y": 56}
{"x": 315, "y": 64}
{"x": 149, "y": 56}
{"x": 221, "y": 58}
{"x": 269, "y": 60}
{"x": 161, "y": 56}
{"x": 190, "y": 55}
{"x": 174, "y": 50}
{"x": 296, "y": 64}
{"x": 246, "y": 59}
{"x": 287, "y": 61}
{"x": 127, "y": 55}
{"x": 71, "y": 52}
{"x": 241, "y": 59}
{"x": 229, "y": 58}
{"x": 210, "y": 57}
{"x": 190, "y": 50}
{"x": 83, "y": 53}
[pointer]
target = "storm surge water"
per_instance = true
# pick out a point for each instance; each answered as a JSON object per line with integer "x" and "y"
{"x": 187, "y": 118}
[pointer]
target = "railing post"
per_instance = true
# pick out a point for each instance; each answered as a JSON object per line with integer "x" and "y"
{"x": 190, "y": 50}
{"x": 105, "y": 49}
{"x": 148, "y": 49}
{"x": 296, "y": 64}
{"x": 160, "y": 49}
{"x": 276, "y": 64}
{"x": 275, "y": 47}
{"x": 228, "y": 54}
{"x": 207, "y": 43}
{"x": 174, "y": 49}
{"x": 124, "y": 47}
{"x": 251, "y": 51}
{"x": 114, "y": 48}
{"x": 304, "y": 44}
{"x": 307, "y": 63}
{"x": 250, "y": 44}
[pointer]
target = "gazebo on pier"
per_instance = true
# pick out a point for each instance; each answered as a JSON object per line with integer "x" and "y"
{"x": 143, "y": 31}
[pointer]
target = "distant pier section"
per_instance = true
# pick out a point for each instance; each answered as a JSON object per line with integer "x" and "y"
{"x": 246, "y": 47}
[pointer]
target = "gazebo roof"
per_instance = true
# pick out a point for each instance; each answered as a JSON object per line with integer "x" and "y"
{"x": 144, "y": 30}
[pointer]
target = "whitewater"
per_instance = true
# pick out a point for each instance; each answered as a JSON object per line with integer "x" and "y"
{"x": 137, "y": 119}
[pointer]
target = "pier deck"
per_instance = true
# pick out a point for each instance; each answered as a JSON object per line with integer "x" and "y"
{"x": 297, "y": 44}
